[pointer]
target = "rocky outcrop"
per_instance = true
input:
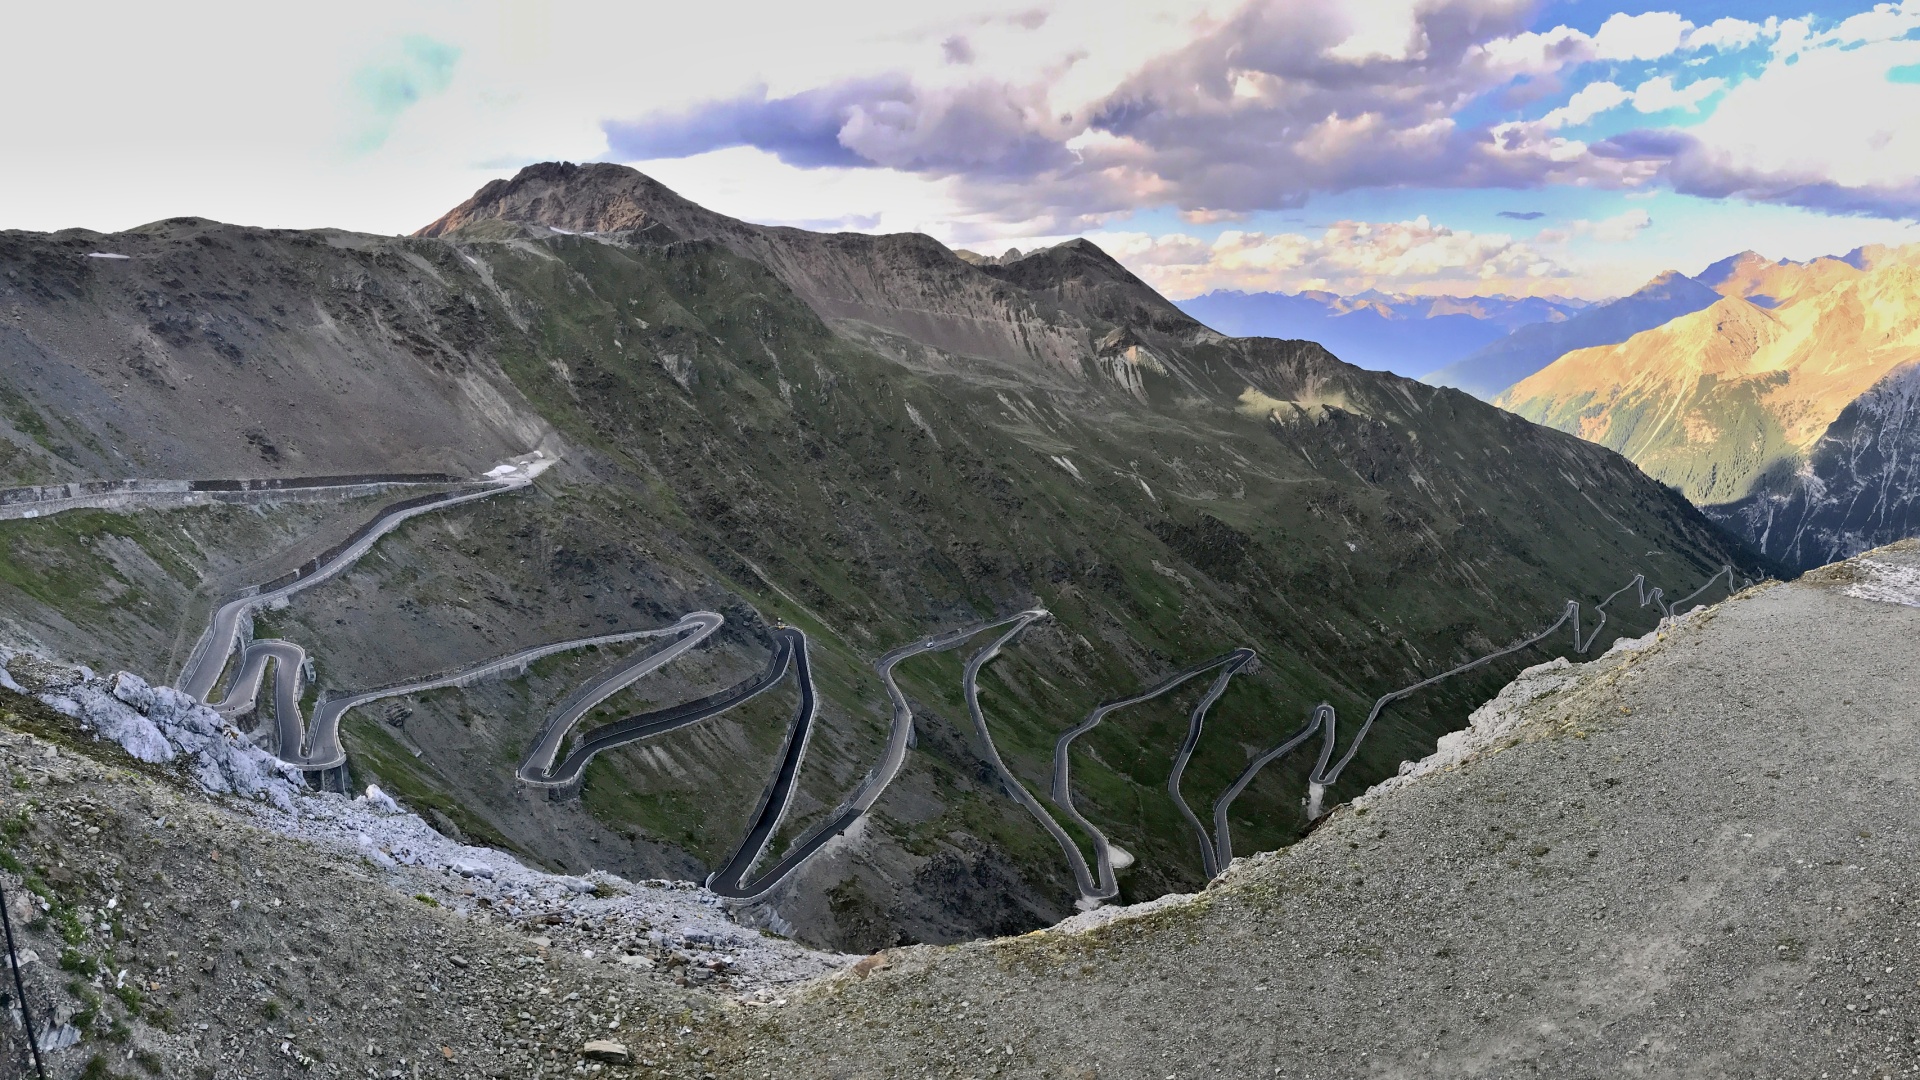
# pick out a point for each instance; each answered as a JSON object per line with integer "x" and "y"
{"x": 1859, "y": 487}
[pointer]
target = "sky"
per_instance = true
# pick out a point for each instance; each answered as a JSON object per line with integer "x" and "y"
{"x": 1524, "y": 147}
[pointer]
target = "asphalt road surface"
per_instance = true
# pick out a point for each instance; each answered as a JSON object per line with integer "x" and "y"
{"x": 538, "y": 769}
{"x": 1232, "y": 664}
{"x": 209, "y": 656}
{"x": 322, "y": 749}
{"x": 899, "y": 736}
{"x": 730, "y": 880}
{"x": 970, "y": 686}
{"x": 1107, "y": 888}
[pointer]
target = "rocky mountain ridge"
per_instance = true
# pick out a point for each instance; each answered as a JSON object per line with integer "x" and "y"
{"x": 864, "y": 437}
{"x": 1491, "y": 370}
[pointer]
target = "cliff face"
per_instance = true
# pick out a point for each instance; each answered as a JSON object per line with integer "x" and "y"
{"x": 1858, "y": 488}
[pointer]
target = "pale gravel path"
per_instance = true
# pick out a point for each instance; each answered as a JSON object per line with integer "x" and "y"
{"x": 1700, "y": 859}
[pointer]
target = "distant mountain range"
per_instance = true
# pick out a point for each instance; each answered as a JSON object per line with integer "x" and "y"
{"x": 1407, "y": 335}
{"x": 1781, "y": 396}
{"x": 1528, "y": 349}
{"x": 1786, "y": 408}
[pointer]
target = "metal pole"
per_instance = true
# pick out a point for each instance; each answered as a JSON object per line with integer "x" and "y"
{"x": 20, "y": 987}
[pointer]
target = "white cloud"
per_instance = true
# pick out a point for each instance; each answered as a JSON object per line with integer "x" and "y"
{"x": 756, "y": 186}
{"x": 1641, "y": 37}
{"x": 1388, "y": 32}
{"x": 245, "y": 111}
{"x": 1729, "y": 34}
{"x": 1588, "y": 102}
{"x": 1659, "y": 94}
{"x": 1617, "y": 229}
{"x": 1815, "y": 129}
{"x": 1884, "y": 22}
{"x": 1348, "y": 257}
{"x": 1211, "y": 217}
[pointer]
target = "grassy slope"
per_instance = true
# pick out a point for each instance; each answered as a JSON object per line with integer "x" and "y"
{"x": 792, "y": 452}
{"x": 1654, "y": 431}
{"x": 726, "y": 446}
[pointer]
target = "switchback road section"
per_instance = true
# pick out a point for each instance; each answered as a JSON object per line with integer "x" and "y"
{"x": 899, "y": 737}
{"x": 1107, "y": 887}
{"x": 209, "y": 656}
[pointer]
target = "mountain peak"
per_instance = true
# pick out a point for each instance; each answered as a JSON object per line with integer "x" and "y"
{"x": 1674, "y": 285}
{"x": 1745, "y": 263}
{"x": 595, "y": 197}
{"x": 1081, "y": 276}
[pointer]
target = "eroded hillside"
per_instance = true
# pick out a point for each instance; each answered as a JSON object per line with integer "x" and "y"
{"x": 865, "y": 437}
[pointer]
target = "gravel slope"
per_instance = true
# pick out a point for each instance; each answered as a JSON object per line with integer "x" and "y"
{"x": 166, "y": 934}
{"x": 1694, "y": 859}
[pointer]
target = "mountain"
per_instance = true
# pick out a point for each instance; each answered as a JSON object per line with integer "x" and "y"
{"x": 1409, "y": 335}
{"x": 1859, "y": 483}
{"x": 1493, "y": 902}
{"x": 1748, "y": 406}
{"x": 859, "y": 442}
{"x": 1769, "y": 283}
{"x": 1528, "y": 349}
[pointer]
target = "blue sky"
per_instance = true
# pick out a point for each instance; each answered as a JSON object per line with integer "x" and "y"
{"x": 1569, "y": 147}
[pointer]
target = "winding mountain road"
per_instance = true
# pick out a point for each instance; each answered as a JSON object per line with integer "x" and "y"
{"x": 316, "y": 746}
{"x": 1324, "y": 719}
{"x": 647, "y": 725}
{"x": 970, "y": 686}
{"x": 538, "y": 768}
{"x": 209, "y": 656}
{"x": 1061, "y": 795}
{"x": 1232, "y": 665}
{"x": 899, "y": 737}
{"x": 319, "y": 747}
{"x": 1320, "y": 719}
{"x": 730, "y": 880}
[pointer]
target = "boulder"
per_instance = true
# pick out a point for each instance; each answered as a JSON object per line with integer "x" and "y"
{"x": 606, "y": 1050}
